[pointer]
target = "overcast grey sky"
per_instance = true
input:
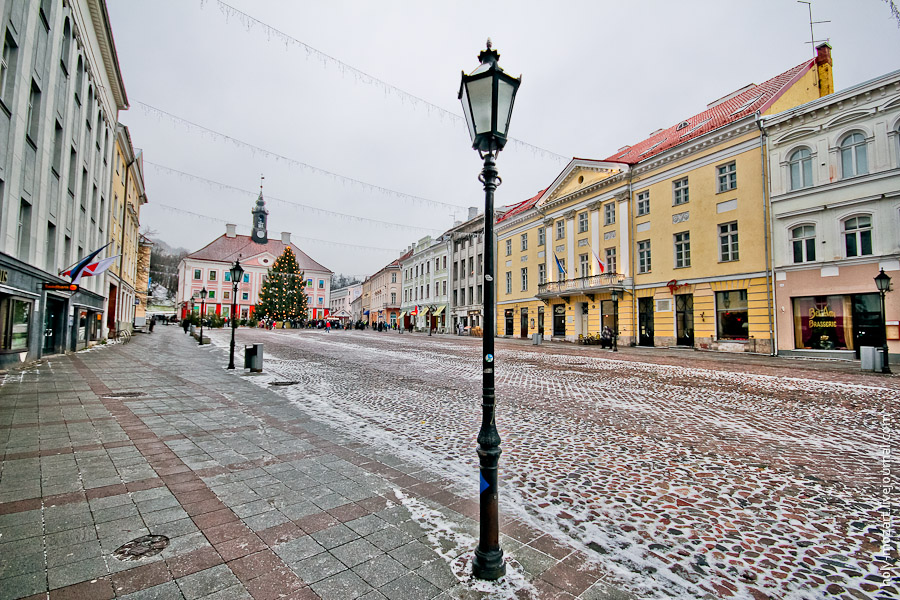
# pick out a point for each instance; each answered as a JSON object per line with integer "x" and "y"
{"x": 293, "y": 85}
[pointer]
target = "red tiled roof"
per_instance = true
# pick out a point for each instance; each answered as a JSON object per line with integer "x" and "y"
{"x": 521, "y": 207}
{"x": 754, "y": 98}
{"x": 227, "y": 249}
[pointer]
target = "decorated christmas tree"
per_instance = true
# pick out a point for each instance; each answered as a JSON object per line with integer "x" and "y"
{"x": 282, "y": 296}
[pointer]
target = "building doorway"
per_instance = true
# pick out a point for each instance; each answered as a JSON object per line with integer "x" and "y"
{"x": 684, "y": 320}
{"x": 54, "y": 324}
{"x": 559, "y": 320}
{"x": 508, "y": 317}
{"x": 523, "y": 324}
{"x": 867, "y": 329}
{"x": 645, "y": 321}
{"x": 540, "y": 323}
{"x": 583, "y": 323}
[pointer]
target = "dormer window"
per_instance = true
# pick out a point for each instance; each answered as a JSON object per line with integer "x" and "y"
{"x": 682, "y": 125}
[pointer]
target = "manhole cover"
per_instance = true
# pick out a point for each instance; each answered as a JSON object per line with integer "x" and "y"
{"x": 125, "y": 395}
{"x": 142, "y": 547}
{"x": 281, "y": 383}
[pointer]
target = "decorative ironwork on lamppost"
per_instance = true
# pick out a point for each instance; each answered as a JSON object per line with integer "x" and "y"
{"x": 615, "y": 340}
{"x": 237, "y": 273}
{"x": 487, "y": 96}
{"x": 203, "y": 294}
{"x": 883, "y": 283}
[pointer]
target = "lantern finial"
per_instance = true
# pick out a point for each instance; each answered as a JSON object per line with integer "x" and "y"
{"x": 489, "y": 43}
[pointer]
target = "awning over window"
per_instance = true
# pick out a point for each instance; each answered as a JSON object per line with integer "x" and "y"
{"x": 401, "y": 315}
{"x": 440, "y": 309}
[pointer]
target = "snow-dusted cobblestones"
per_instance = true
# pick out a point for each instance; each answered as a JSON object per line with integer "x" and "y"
{"x": 684, "y": 480}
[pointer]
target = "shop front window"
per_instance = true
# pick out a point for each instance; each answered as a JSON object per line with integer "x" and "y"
{"x": 731, "y": 315}
{"x": 837, "y": 322}
{"x": 15, "y": 316}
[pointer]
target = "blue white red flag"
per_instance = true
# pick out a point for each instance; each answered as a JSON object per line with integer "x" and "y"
{"x": 75, "y": 272}
{"x": 559, "y": 265}
{"x": 599, "y": 262}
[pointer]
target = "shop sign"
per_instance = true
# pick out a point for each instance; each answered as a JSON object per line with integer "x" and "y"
{"x": 4, "y": 276}
{"x": 61, "y": 287}
{"x": 822, "y": 317}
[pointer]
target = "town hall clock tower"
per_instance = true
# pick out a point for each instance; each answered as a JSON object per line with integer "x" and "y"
{"x": 260, "y": 217}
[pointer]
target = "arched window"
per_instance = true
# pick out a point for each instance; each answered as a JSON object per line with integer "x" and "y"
{"x": 854, "y": 160}
{"x": 858, "y": 236}
{"x": 800, "y": 164}
{"x": 79, "y": 79}
{"x": 66, "y": 46}
{"x": 803, "y": 240}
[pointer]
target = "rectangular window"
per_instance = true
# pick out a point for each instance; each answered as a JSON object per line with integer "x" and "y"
{"x": 393, "y": 278}
{"x": 643, "y": 203}
{"x": 682, "y": 250}
{"x": 611, "y": 260}
{"x": 393, "y": 298}
{"x": 509, "y": 282}
{"x": 245, "y": 296}
{"x": 731, "y": 315}
{"x": 525, "y": 279}
{"x": 680, "y": 191}
{"x": 58, "y": 143}
{"x": 213, "y": 274}
{"x": 50, "y": 248}
{"x": 437, "y": 264}
{"x": 226, "y": 295}
{"x": 23, "y": 230}
{"x": 8, "y": 69}
{"x": 445, "y": 261}
{"x": 582, "y": 222}
{"x": 73, "y": 160}
{"x": 212, "y": 295}
{"x": 33, "y": 119}
{"x": 524, "y": 240}
{"x": 197, "y": 275}
{"x": 227, "y": 276}
{"x": 728, "y": 242}
{"x": 427, "y": 267}
{"x": 644, "y": 256}
{"x": 479, "y": 295}
{"x": 444, "y": 288}
{"x": 803, "y": 242}
{"x": 246, "y": 277}
{"x": 541, "y": 239}
{"x": 321, "y": 284}
{"x": 542, "y": 274}
{"x": 609, "y": 213}
{"x": 15, "y": 316}
{"x": 726, "y": 176}
{"x": 560, "y": 229}
{"x": 428, "y": 290}
{"x": 584, "y": 261}
{"x": 508, "y": 247}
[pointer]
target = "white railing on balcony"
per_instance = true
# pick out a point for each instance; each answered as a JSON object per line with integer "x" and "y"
{"x": 581, "y": 284}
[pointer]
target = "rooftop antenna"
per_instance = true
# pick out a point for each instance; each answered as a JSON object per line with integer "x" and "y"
{"x": 812, "y": 38}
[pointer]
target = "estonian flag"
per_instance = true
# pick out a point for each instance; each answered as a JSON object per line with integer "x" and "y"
{"x": 559, "y": 266}
{"x": 75, "y": 273}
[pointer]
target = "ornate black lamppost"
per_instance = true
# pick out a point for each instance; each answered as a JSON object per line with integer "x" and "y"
{"x": 203, "y": 294}
{"x": 487, "y": 96}
{"x": 615, "y": 340}
{"x": 883, "y": 282}
{"x": 237, "y": 273}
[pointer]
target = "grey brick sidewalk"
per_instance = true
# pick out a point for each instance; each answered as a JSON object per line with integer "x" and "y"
{"x": 257, "y": 500}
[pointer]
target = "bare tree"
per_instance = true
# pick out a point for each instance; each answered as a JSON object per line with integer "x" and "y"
{"x": 895, "y": 12}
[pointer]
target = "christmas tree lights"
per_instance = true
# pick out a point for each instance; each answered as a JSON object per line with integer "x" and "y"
{"x": 283, "y": 295}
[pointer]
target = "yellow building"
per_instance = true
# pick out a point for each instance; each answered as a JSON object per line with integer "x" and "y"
{"x": 665, "y": 241}
{"x": 142, "y": 283}
{"x": 124, "y": 234}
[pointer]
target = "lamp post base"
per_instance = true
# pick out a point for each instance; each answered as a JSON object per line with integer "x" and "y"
{"x": 489, "y": 565}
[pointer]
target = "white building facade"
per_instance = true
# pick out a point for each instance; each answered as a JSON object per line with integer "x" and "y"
{"x": 834, "y": 172}
{"x": 425, "y": 270}
{"x": 60, "y": 94}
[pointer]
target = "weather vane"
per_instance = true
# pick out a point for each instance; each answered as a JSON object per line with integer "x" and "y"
{"x": 261, "y": 179}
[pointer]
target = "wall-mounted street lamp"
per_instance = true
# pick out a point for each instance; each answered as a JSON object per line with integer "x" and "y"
{"x": 237, "y": 273}
{"x": 203, "y": 294}
{"x": 487, "y": 95}
{"x": 883, "y": 283}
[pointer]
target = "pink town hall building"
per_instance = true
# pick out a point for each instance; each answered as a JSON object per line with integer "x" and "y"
{"x": 210, "y": 267}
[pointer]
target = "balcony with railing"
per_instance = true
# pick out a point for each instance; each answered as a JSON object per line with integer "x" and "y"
{"x": 593, "y": 284}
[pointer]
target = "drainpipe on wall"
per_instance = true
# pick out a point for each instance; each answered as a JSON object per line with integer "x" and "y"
{"x": 767, "y": 226}
{"x": 632, "y": 251}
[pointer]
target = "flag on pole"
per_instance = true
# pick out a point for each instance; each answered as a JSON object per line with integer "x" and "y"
{"x": 74, "y": 272}
{"x": 599, "y": 262}
{"x": 559, "y": 265}
{"x": 99, "y": 267}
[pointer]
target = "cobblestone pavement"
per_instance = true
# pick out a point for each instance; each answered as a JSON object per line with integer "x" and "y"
{"x": 348, "y": 470}
{"x": 700, "y": 474}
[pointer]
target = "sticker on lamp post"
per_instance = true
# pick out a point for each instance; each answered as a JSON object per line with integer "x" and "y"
{"x": 489, "y": 358}
{"x": 484, "y": 484}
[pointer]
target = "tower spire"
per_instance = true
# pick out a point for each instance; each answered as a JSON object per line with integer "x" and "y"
{"x": 259, "y": 233}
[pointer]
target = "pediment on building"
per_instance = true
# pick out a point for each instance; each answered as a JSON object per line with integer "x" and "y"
{"x": 849, "y": 117}
{"x": 263, "y": 259}
{"x": 580, "y": 174}
{"x": 794, "y": 134}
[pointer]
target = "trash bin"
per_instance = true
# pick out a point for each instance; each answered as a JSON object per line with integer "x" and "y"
{"x": 536, "y": 339}
{"x": 870, "y": 358}
{"x": 253, "y": 358}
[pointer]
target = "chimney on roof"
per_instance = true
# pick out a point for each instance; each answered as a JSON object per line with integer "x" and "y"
{"x": 473, "y": 212}
{"x": 230, "y": 230}
{"x": 824, "y": 68}
{"x": 286, "y": 238}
